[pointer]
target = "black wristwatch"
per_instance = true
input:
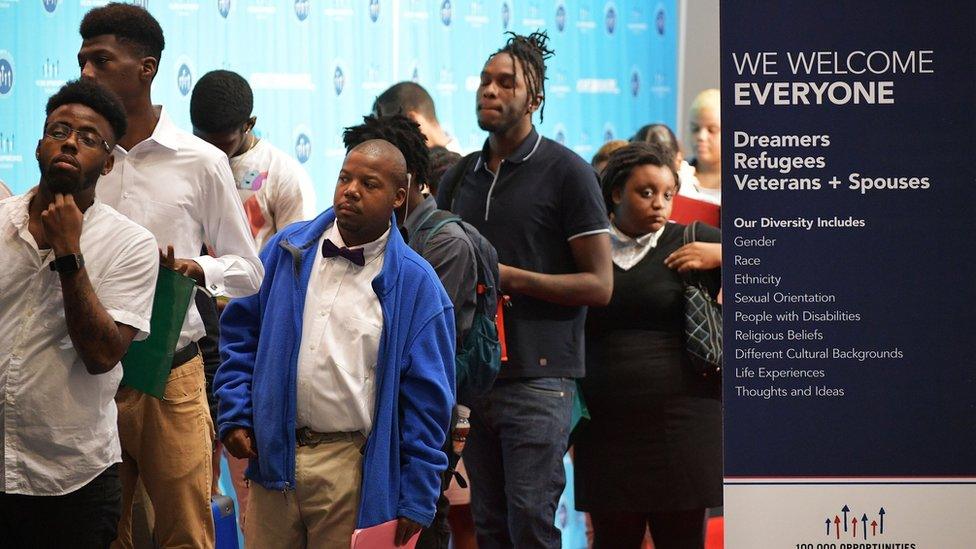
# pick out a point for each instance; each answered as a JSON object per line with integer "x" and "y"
{"x": 67, "y": 264}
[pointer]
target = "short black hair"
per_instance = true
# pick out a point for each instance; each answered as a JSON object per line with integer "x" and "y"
{"x": 404, "y": 97}
{"x": 128, "y": 23}
{"x": 532, "y": 51}
{"x": 96, "y": 97}
{"x": 402, "y": 132}
{"x": 441, "y": 160}
{"x": 659, "y": 134}
{"x": 623, "y": 161}
{"x": 221, "y": 101}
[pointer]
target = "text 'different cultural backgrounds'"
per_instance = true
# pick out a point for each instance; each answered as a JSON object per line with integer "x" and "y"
{"x": 849, "y": 278}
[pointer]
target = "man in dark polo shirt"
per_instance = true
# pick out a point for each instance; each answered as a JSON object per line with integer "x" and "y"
{"x": 539, "y": 204}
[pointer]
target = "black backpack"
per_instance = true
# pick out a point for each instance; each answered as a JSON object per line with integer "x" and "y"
{"x": 479, "y": 355}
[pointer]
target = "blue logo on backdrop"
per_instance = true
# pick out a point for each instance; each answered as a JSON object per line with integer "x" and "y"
{"x": 51, "y": 69}
{"x": 561, "y": 137}
{"x": 303, "y": 148}
{"x": 374, "y": 10}
{"x": 339, "y": 80}
{"x": 611, "y": 18}
{"x": 609, "y": 134}
{"x": 50, "y": 5}
{"x": 635, "y": 83}
{"x": 6, "y": 73}
{"x": 415, "y": 75}
{"x": 184, "y": 79}
{"x": 659, "y": 20}
{"x": 560, "y": 17}
{"x": 506, "y": 15}
{"x": 223, "y": 6}
{"x": 446, "y": 13}
{"x": 302, "y": 8}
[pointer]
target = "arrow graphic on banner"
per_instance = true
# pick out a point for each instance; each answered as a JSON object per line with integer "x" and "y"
{"x": 827, "y": 522}
{"x": 845, "y": 510}
{"x": 864, "y": 525}
{"x": 874, "y": 527}
{"x": 836, "y": 526}
{"x": 854, "y": 527}
{"x": 882, "y": 513}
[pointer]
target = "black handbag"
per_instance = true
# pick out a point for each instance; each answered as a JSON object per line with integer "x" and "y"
{"x": 703, "y": 322}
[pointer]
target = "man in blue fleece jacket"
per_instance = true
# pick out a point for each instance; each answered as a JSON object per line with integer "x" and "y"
{"x": 337, "y": 378}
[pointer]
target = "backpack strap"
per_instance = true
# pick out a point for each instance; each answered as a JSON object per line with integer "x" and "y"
{"x": 454, "y": 183}
{"x": 430, "y": 225}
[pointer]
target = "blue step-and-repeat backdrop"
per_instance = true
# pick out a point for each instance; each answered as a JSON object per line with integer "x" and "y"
{"x": 316, "y": 66}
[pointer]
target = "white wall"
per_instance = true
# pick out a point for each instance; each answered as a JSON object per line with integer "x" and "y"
{"x": 698, "y": 55}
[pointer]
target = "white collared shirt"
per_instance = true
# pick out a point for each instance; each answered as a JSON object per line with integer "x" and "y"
{"x": 58, "y": 422}
{"x": 341, "y": 329}
{"x": 181, "y": 189}
{"x": 628, "y": 251}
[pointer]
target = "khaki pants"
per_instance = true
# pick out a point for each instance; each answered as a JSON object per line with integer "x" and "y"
{"x": 167, "y": 445}
{"x": 321, "y": 512}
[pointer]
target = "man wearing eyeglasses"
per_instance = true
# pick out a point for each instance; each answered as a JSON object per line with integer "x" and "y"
{"x": 76, "y": 288}
{"x": 182, "y": 190}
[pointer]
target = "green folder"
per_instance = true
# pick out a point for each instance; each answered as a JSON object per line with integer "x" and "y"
{"x": 146, "y": 365}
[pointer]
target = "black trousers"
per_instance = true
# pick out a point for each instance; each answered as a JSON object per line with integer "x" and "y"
{"x": 87, "y": 518}
{"x": 670, "y": 529}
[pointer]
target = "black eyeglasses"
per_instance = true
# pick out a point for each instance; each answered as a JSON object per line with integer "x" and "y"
{"x": 60, "y": 132}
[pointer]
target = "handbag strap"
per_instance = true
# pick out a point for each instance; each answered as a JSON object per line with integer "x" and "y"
{"x": 689, "y": 234}
{"x": 687, "y": 237}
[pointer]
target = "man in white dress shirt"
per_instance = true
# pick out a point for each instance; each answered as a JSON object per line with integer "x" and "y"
{"x": 76, "y": 288}
{"x": 181, "y": 189}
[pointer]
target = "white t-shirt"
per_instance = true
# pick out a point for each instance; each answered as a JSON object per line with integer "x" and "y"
{"x": 274, "y": 188}
{"x": 58, "y": 426}
{"x": 691, "y": 188}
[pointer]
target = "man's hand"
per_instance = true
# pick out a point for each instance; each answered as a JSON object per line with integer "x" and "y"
{"x": 62, "y": 225}
{"x": 241, "y": 444}
{"x": 695, "y": 256}
{"x": 406, "y": 529}
{"x": 186, "y": 267}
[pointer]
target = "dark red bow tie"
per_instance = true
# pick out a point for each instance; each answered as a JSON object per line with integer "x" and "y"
{"x": 329, "y": 249}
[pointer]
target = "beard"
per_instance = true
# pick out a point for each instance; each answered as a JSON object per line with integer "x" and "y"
{"x": 488, "y": 127}
{"x": 59, "y": 181}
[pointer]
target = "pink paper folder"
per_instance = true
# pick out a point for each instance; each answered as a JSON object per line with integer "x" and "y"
{"x": 380, "y": 536}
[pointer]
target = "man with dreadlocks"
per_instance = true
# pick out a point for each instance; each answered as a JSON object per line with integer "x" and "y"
{"x": 540, "y": 205}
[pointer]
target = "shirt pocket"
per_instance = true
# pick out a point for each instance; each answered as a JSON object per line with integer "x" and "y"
{"x": 357, "y": 347}
{"x": 169, "y": 223}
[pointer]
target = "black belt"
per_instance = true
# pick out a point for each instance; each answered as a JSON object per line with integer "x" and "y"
{"x": 307, "y": 437}
{"x": 186, "y": 354}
